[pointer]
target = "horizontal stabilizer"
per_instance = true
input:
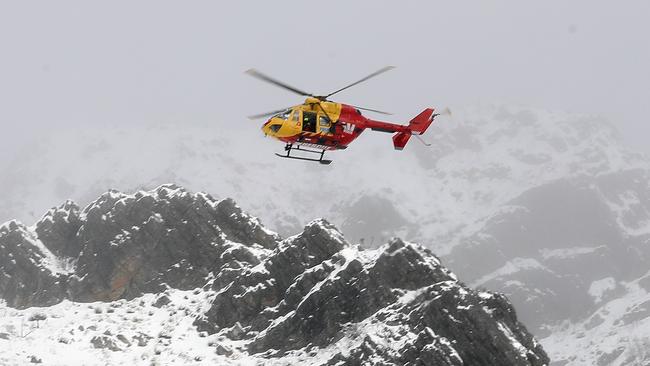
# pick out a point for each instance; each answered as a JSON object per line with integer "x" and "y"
{"x": 400, "y": 139}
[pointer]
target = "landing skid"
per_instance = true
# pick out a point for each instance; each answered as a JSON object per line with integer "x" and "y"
{"x": 290, "y": 148}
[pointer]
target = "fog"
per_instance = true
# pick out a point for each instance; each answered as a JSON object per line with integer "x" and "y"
{"x": 78, "y": 63}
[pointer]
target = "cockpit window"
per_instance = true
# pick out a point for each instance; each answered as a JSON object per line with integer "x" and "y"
{"x": 284, "y": 114}
{"x": 324, "y": 124}
{"x": 324, "y": 121}
{"x": 275, "y": 128}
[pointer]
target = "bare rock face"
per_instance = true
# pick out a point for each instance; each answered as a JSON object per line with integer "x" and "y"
{"x": 29, "y": 273}
{"x": 250, "y": 296}
{"x": 316, "y": 290}
{"x": 122, "y": 246}
{"x": 169, "y": 237}
{"x": 58, "y": 228}
{"x": 105, "y": 341}
{"x": 311, "y": 292}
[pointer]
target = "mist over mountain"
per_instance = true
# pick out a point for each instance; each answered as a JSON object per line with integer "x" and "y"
{"x": 311, "y": 298}
{"x": 548, "y": 208}
{"x": 480, "y": 158}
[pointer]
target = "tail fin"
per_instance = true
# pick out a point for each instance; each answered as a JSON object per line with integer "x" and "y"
{"x": 417, "y": 126}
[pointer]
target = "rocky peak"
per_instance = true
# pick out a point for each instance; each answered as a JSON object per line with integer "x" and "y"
{"x": 313, "y": 293}
{"x": 156, "y": 238}
{"x": 58, "y": 228}
{"x": 242, "y": 227}
{"x": 122, "y": 245}
{"x": 316, "y": 290}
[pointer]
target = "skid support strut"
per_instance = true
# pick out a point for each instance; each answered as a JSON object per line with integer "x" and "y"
{"x": 289, "y": 148}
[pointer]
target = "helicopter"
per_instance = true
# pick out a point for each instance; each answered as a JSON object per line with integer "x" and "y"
{"x": 320, "y": 125}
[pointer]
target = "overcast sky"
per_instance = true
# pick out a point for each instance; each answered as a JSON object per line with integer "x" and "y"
{"x": 83, "y": 62}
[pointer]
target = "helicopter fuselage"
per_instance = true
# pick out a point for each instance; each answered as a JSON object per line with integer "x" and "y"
{"x": 325, "y": 125}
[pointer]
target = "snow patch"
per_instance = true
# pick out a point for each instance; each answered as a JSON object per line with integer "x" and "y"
{"x": 565, "y": 253}
{"x": 513, "y": 266}
{"x": 598, "y": 288}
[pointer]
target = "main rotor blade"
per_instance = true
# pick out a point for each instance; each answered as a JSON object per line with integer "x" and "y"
{"x": 373, "y": 110}
{"x": 380, "y": 71}
{"x": 262, "y": 115}
{"x": 256, "y": 74}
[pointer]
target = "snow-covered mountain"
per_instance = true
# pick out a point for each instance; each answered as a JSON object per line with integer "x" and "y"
{"x": 573, "y": 256}
{"x": 616, "y": 333}
{"x": 169, "y": 276}
{"x": 546, "y": 207}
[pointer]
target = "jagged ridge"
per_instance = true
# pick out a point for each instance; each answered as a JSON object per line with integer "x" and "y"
{"x": 311, "y": 293}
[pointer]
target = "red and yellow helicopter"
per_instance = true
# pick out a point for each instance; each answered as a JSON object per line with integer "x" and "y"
{"x": 319, "y": 124}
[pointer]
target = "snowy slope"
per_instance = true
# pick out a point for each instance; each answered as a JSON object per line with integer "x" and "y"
{"x": 138, "y": 332}
{"x": 617, "y": 333}
{"x": 99, "y": 333}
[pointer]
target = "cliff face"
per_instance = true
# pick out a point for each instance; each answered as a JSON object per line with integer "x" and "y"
{"x": 122, "y": 246}
{"x": 29, "y": 273}
{"x": 395, "y": 304}
{"x": 311, "y": 294}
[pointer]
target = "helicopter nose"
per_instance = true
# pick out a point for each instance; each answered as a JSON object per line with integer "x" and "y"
{"x": 265, "y": 127}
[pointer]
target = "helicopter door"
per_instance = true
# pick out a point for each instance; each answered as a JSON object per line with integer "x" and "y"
{"x": 308, "y": 121}
{"x": 324, "y": 124}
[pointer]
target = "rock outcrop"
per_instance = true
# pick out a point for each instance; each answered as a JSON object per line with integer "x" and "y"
{"x": 29, "y": 273}
{"x": 396, "y": 304}
{"x": 313, "y": 293}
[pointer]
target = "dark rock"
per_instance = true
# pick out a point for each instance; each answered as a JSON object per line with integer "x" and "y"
{"x": 297, "y": 299}
{"x": 161, "y": 300}
{"x": 223, "y": 350}
{"x": 264, "y": 285}
{"x": 127, "y": 245}
{"x": 241, "y": 227}
{"x": 393, "y": 305}
{"x": 58, "y": 229}
{"x": 123, "y": 339}
{"x": 142, "y": 339}
{"x": 105, "y": 342}
{"x": 135, "y": 244}
{"x": 27, "y": 274}
{"x": 236, "y": 332}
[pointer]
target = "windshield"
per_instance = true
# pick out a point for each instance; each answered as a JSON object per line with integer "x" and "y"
{"x": 284, "y": 114}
